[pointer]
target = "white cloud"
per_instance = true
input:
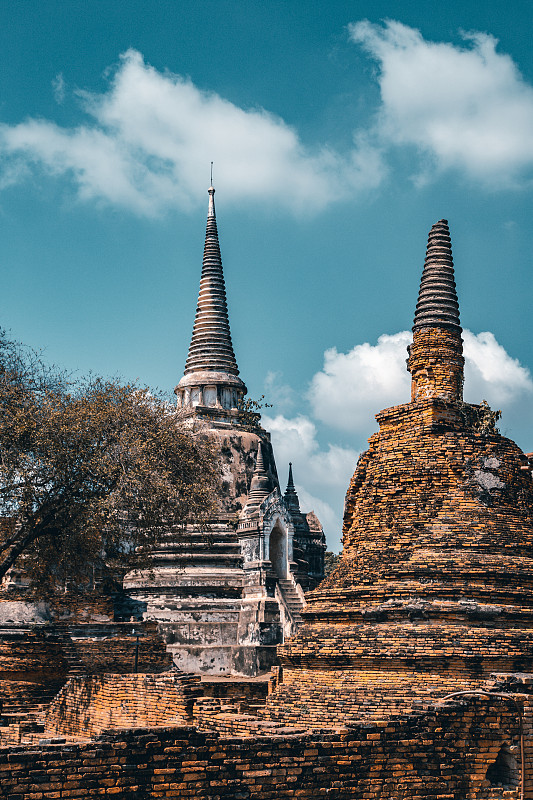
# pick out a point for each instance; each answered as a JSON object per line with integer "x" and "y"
{"x": 492, "y": 374}
{"x": 325, "y": 474}
{"x": 278, "y": 393}
{"x": 296, "y": 440}
{"x": 354, "y": 386}
{"x": 467, "y": 107}
{"x": 58, "y": 86}
{"x": 150, "y": 136}
{"x": 143, "y": 143}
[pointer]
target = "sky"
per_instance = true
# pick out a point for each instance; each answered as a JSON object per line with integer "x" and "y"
{"x": 339, "y": 131}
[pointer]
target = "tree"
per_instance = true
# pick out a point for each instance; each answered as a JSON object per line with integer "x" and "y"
{"x": 250, "y": 412}
{"x": 90, "y": 469}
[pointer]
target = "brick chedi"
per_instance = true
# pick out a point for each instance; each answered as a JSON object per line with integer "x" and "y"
{"x": 434, "y": 590}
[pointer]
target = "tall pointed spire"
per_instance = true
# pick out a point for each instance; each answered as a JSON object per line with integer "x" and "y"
{"x": 437, "y": 305}
{"x": 291, "y": 497}
{"x": 436, "y": 360}
{"x": 211, "y": 347}
{"x": 210, "y": 383}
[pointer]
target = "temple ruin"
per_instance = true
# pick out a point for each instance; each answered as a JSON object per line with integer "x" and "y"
{"x": 411, "y": 675}
{"x": 226, "y": 594}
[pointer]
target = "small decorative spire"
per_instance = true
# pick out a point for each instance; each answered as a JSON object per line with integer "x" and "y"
{"x": 211, "y": 348}
{"x": 291, "y": 497}
{"x": 437, "y": 305}
{"x": 260, "y": 486}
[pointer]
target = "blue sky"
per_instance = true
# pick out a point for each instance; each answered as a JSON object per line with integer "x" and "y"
{"x": 340, "y": 133}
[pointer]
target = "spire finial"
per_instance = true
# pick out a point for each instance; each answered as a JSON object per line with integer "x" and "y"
{"x": 211, "y": 184}
{"x": 260, "y": 486}
{"x": 290, "y": 496}
{"x": 211, "y": 209}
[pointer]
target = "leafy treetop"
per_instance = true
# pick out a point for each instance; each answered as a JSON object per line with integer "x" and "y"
{"x": 90, "y": 470}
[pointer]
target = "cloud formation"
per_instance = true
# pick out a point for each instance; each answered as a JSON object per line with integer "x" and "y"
{"x": 295, "y": 439}
{"x": 492, "y": 374}
{"x": 466, "y": 107}
{"x": 325, "y": 473}
{"x": 149, "y": 137}
{"x": 59, "y": 88}
{"x": 143, "y": 143}
{"x": 354, "y": 386}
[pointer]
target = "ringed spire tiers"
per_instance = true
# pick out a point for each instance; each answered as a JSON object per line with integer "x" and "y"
{"x": 211, "y": 371}
{"x": 436, "y": 360}
{"x": 437, "y": 305}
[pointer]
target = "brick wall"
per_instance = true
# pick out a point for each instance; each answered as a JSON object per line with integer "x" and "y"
{"x": 35, "y": 661}
{"x": 442, "y": 754}
{"x": 111, "y": 647}
{"x": 32, "y": 666}
{"x": 85, "y": 706}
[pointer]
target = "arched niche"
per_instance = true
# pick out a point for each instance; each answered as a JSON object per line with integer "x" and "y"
{"x": 504, "y": 772}
{"x": 277, "y": 549}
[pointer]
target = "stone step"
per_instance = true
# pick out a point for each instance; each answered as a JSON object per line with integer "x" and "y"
{"x": 218, "y": 547}
{"x": 202, "y": 558}
{"x": 216, "y": 533}
{"x": 292, "y": 599}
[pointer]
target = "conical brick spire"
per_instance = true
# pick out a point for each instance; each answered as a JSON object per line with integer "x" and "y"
{"x": 436, "y": 360}
{"x": 211, "y": 348}
{"x": 291, "y": 497}
{"x": 437, "y": 305}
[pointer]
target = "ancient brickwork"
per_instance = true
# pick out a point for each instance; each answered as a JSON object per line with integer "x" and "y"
{"x": 113, "y": 647}
{"x": 86, "y": 706}
{"x": 32, "y": 666}
{"x": 248, "y": 694}
{"x": 65, "y": 607}
{"x": 435, "y": 584}
{"x": 434, "y": 590}
{"x": 436, "y": 364}
{"x": 35, "y": 661}
{"x": 415, "y": 757}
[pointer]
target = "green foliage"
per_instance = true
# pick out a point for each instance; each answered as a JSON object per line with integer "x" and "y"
{"x": 90, "y": 470}
{"x": 249, "y": 412}
{"x": 482, "y": 418}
